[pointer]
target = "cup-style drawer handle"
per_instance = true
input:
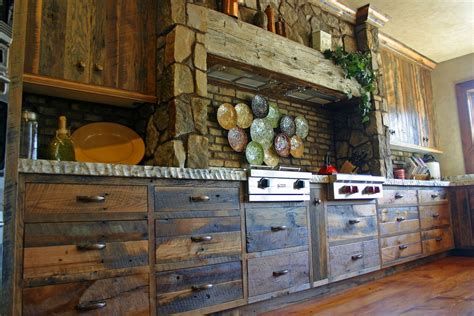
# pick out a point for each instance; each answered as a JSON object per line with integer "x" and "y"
{"x": 90, "y": 199}
{"x": 201, "y": 238}
{"x": 439, "y": 238}
{"x": 278, "y": 228}
{"x": 200, "y": 198}
{"x": 90, "y": 246}
{"x": 281, "y": 272}
{"x": 357, "y": 257}
{"x": 435, "y": 215}
{"x": 98, "y": 67}
{"x": 401, "y": 247}
{"x": 401, "y": 219}
{"x": 398, "y": 196}
{"x": 90, "y": 306}
{"x": 354, "y": 221}
{"x": 81, "y": 65}
{"x": 434, "y": 195}
{"x": 202, "y": 287}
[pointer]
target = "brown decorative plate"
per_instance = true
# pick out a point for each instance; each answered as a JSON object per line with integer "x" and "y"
{"x": 270, "y": 157}
{"x": 287, "y": 125}
{"x": 237, "y": 139}
{"x": 227, "y": 116}
{"x": 302, "y": 127}
{"x": 259, "y": 106}
{"x": 282, "y": 145}
{"x": 297, "y": 146}
{"x": 244, "y": 115}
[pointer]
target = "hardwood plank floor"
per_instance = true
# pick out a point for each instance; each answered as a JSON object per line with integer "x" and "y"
{"x": 444, "y": 287}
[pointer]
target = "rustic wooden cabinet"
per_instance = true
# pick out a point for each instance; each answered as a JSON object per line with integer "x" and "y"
{"x": 109, "y": 44}
{"x": 462, "y": 208}
{"x": 409, "y": 98}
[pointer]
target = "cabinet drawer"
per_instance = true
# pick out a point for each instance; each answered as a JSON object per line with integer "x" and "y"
{"x": 399, "y": 247}
{"x": 434, "y": 216}
{"x": 55, "y": 250}
{"x": 352, "y": 259}
{"x": 433, "y": 195}
{"x": 184, "y": 239}
{"x": 437, "y": 240}
{"x": 276, "y": 228}
{"x": 189, "y": 289}
{"x": 398, "y": 197}
{"x": 398, "y": 220}
{"x": 279, "y": 272}
{"x": 52, "y": 201}
{"x": 126, "y": 295}
{"x": 202, "y": 199}
{"x": 346, "y": 222}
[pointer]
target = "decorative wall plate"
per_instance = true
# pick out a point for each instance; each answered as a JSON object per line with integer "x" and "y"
{"x": 259, "y": 106}
{"x": 302, "y": 127}
{"x": 270, "y": 157}
{"x": 237, "y": 139}
{"x": 282, "y": 145}
{"x": 227, "y": 116}
{"x": 273, "y": 114}
{"x": 297, "y": 146}
{"x": 262, "y": 132}
{"x": 244, "y": 115}
{"x": 287, "y": 125}
{"x": 254, "y": 153}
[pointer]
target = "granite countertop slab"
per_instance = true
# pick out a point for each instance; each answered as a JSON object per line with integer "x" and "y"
{"x": 421, "y": 183}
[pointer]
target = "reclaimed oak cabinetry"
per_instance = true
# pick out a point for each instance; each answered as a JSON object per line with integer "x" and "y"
{"x": 462, "y": 208}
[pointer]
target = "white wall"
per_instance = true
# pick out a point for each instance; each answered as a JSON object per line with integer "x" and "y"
{"x": 444, "y": 77}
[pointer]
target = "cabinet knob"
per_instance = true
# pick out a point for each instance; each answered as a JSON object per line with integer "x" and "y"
{"x": 439, "y": 238}
{"x": 435, "y": 215}
{"x": 81, "y": 65}
{"x": 98, "y": 67}
{"x": 434, "y": 195}
{"x": 92, "y": 305}
{"x": 317, "y": 202}
{"x": 392, "y": 132}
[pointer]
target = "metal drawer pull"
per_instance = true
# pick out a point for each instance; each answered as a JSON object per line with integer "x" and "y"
{"x": 357, "y": 257}
{"x": 317, "y": 202}
{"x": 98, "y": 67}
{"x": 280, "y": 273}
{"x": 81, "y": 64}
{"x": 278, "y": 228}
{"x": 200, "y": 198}
{"x": 434, "y": 195}
{"x": 91, "y": 246}
{"x": 401, "y": 247}
{"x": 90, "y": 199}
{"x": 90, "y": 306}
{"x": 436, "y": 215}
{"x": 201, "y": 238}
{"x": 354, "y": 221}
{"x": 202, "y": 287}
{"x": 401, "y": 219}
{"x": 439, "y": 238}
{"x": 398, "y": 196}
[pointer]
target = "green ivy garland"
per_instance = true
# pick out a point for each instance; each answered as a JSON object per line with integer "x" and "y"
{"x": 356, "y": 65}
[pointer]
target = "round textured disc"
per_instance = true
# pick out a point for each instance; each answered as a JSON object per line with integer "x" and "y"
{"x": 261, "y": 131}
{"x": 287, "y": 125}
{"x": 237, "y": 139}
{"x": 297, "y": 146}
{"x": 270, "y": 157}
{"x": 226, "y": 116}
{"x": 273, "y": 114}
{"x": 282, "y": 145}
{"x": 302, "y": 127}
{"x": 259, "y": 106}
{"x": 244, "y": 115}
{"x": 254, "y": 153}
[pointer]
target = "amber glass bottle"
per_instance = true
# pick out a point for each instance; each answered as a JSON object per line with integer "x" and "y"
{"x": 61, "y": 146}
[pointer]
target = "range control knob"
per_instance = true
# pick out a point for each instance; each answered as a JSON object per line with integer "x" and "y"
{"x": 263, "y": 183}
{"x": 369, "y": 190}
{"x": 376, "y": 189}
{"x": 346, "y": 189}
{"x": 354, "y": 189}
{"x": 299, "y": 184}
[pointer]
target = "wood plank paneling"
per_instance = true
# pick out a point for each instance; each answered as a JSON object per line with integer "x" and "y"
{"x": 437, "y": 240}
{"x": 399, "y": 247}
{"x": 398, "y": 220}
{"x": 463, "y": 217}
{"x": 318, "y": 235}
{"x": 434, "y": 216}
{"x": 398, "y": 197}
{"x": 196, "y": 226}
{"x": 348, "y": 222}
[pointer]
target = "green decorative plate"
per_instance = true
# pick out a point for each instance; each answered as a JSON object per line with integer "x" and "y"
{"x": 261, "y": 131}
{"x": 237, "y": 139}
{"x": 259, "y": 106}
{"x": 227, "y": 116}
{"x": 244, "y": 115}
{"x": 297, "y": 146}
{"x": 282, "y": 145}
{"x": 254, "y": 153}
{"x": 287, "y": 125}
{"x": 270, "y": 157}
{"x": 302, "y": 127}
{"x": 273, "y": 114}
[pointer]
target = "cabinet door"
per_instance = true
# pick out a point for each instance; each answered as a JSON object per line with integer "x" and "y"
{"x": 318, "y": 235}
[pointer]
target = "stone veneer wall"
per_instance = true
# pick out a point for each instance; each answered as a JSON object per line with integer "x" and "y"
{"x": 317, "y": 144}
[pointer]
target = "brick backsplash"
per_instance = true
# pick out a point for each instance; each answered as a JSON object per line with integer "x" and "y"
{"x": 319, "y": 141}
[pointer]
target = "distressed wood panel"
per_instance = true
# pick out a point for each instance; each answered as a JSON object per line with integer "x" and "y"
{"x": 340, "y": 225}
{"x": 202, "y": 225}
{"x": 398, "y": 247}
{"x": 169, "y": 199}
{"x": 398, "y": 220}
{"x": 398, "y": 197}
{"x": 463, "y": 217}
{"x": 437, "y": 240}
{"x": 126, "y": 295}
{"x": 434, "y": 216}
{"x": 262, "y": 228}
{"x": 433, "y": 195}
{"x": 318, "y": 235}
{"x": 261, "y": 277}
{"x": 342, "y": 260}
{"x": 177, "y": 290}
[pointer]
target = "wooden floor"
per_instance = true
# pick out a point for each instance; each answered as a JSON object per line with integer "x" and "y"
{"x": 444, "y": 287}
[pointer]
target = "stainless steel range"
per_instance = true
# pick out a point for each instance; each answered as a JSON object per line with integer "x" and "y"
{"x": 355, "y": 187}
{"x": 286, "y": 184}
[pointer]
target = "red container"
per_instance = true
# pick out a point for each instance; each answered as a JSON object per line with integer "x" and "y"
{"x": 399, "y": 173}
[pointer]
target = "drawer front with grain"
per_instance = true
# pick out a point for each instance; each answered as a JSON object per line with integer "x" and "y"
{"x": 279, "y": 272}
{"x": 55, "y": 250}
{"x": 434, "y": 216}
{"x": 172, "y": 199}
{"x": 437, "y": 240}
{"x": 348, "y": 222}
{"x": 398, "y": 220}
{"x": 354, "y": 258}
{"x": 400, "y": 247}
{"x": 183, "y": 239}
{"x": 62, "y": 201}
{"x": 276, "y": 228}
{"x": 398, "y": 197}
{"x": 189, "y": 289}
{"x": 433, "y": 195}
{"x": 127, "y": 295}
